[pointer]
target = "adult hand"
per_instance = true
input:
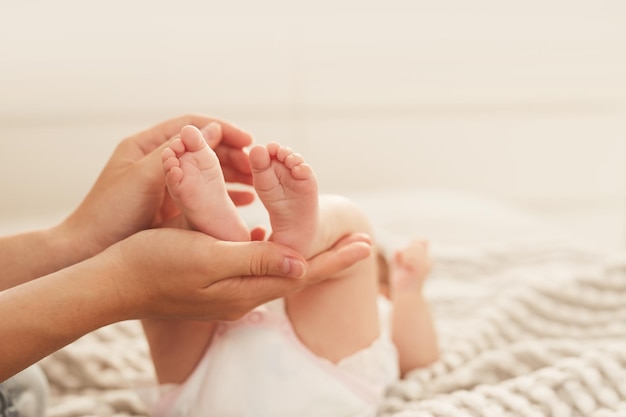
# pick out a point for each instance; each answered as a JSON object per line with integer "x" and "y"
{"x": 183, "y": 274}
{"x": 160, "y": 273}
{"x": 130, "y": 193}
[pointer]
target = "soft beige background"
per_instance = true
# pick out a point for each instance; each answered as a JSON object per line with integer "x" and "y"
{"x": 521, "y": 101}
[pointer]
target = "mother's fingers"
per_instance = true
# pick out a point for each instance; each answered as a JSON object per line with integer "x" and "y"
{"x": 345, "y": 253}
{"x": 235, "y": 164}
{"x": 241, "y": 259}
{"x": 241, "y": 197}
{"x": 252, "y": 291}
{"x": 248, "y": 274}
{"x": 152, "y": 138}
{"x": 257, "y": 259}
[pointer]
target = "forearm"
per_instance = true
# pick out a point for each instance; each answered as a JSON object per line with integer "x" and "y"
{"x": 413, "y": 330}
{"x": 43, "y": 315}
{"x": 30, "y": 255}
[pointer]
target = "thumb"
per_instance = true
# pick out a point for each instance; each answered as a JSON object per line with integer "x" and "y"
{"x": 151, "y": 165}
{"x": 260, "y": 259}
{"x": 212, "y": 134}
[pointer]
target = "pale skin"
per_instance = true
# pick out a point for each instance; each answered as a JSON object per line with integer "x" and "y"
{"x": 128, "y": 196}
{"x": 196, "y": 184}
{"x": 412, "y": 322}
{"x": 334, "y": 318}
{"x": 100, "y": 266}
{"x": 339, "y": 316}
{"x": 190, "y": 165}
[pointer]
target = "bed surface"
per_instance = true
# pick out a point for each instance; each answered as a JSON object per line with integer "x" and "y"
{"x": 530, "y": 323}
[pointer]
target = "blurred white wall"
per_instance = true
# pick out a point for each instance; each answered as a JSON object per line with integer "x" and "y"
{"x": 524, "y": 101}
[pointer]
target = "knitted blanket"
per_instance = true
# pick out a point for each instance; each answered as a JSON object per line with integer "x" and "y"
{"x": 525, "y": 330}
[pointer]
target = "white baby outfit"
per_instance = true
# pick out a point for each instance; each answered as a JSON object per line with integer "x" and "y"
{"x": 257, "y": 367}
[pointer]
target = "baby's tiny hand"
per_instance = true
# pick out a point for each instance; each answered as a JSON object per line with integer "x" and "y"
{"x": 410, "y": 266}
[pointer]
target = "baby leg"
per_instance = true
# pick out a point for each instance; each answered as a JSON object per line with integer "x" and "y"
{"x": 413, "y": 330}
{"x": 287, "y": 187}
{"x": 339, "y": 316}
{"x": 195, "y": 182}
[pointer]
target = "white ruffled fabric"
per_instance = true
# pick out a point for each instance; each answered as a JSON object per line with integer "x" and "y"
{"x": 257, "y": 367}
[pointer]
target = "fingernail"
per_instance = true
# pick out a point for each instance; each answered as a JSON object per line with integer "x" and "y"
{"x": 294, "y": 268}
{"x": 210, "y": 131}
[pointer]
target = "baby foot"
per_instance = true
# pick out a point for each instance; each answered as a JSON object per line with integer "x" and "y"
{"x": 410, "y": 266}
{"x": 287, "y": 187}
{"x": 195, "y": 181}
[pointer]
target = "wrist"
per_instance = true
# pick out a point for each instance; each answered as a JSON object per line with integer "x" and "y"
{"x": 126, "y": 294}
{"x": 413, "y": 293}
{"x": 111, "y": 286}
{"x": 71, "y": 242}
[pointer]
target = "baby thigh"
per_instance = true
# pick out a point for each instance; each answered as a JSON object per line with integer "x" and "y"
{"x": 338, "y": 316}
